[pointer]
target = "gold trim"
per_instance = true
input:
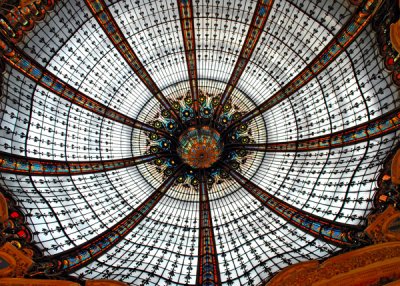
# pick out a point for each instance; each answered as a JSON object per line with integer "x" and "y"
{"x": 395, "y": 167}
{"x": 358, "y": 267}
{"x": 8, "y": 271}
{"x": 35, "y": 282}
{"x": 3, "y": 209}
{"x": 395, "y": 36}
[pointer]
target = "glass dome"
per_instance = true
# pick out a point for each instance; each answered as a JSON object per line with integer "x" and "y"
{"x": 97, "y": 96}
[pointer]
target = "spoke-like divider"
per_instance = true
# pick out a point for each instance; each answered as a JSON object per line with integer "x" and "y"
{"x": 15, "y": 164}
{"x": 207, "y": 266}
{"x": 106, "y": 21}
{"x": 81, "y": 255}
{"x": 378, "y": 127}
{"x": 189, "y": 40}
{"x": 332, "y": 232}
{"x": 347, "y": 34}
{"x": 257, "y": 25}
{"x": 19, "y": 60}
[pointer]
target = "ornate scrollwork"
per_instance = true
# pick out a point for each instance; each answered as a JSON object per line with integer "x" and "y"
{"x": 386, "y": 24}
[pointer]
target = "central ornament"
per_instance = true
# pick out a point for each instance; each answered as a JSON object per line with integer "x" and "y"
{"x": 200, "y": 147}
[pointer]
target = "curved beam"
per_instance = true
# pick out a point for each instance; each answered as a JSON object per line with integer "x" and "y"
{"x": 106, "y": 21}
{"x": 15, "y": 164}
{"x": 189, "y": 40}
{"x": 19, "y": 60}
{"x": 372, "y": 129}
{"x": 347, "y": 34}
{"x": 207, "y": 265}
{"x": 329, "y": 231}
{"x": 257, "y": 25}
{"x": 80, "y": 256}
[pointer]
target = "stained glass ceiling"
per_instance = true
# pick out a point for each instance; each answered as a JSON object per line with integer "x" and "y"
{"x": 95, "y": 99}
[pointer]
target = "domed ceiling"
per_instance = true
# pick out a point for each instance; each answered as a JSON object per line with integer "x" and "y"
{"x": 195, "y": 142}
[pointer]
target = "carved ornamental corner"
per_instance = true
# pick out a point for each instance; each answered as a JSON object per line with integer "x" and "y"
{"x": 384, "y": 224}
{"x": 372, "y": 265}
{"x": 386, "y": 25}
{"x": 395, "y": 36}
{"x": 13, "y": 262}
{"x": 395, "y": 166}
{"x": 376, "y": 264}
{"x": 384, "y": 227}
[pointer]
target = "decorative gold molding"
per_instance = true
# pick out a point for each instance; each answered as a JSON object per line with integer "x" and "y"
{"x": 8, "y": 265}
{"x": 367, "y": 275}
{"x": 395, "y": 168}
{"x": 379, "y": 224}
{"x": 24, "y": 3}
{"x": 36, "y": 282}
{"x": 22, "y": 262}
{"x": 3, "y": 209}
{"x": 364, "y": 266}
{"x": 395, "y": 36}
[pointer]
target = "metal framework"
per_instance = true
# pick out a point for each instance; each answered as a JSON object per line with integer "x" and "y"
{"x": 347, "y": 34}
{"x": 187, "y": 26}
{"x": 32, "y": 69}
{"x": 377, "y": 127}
{"x": 329, "y": 231}
{"x": 36, "y": 167}
{"x": 228, "y": 226}
{"x": 76, "y": 258}
{"x": 257, "y": 25}
{"x": 114, "y": 33}
{"x": 207, "y": 268}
